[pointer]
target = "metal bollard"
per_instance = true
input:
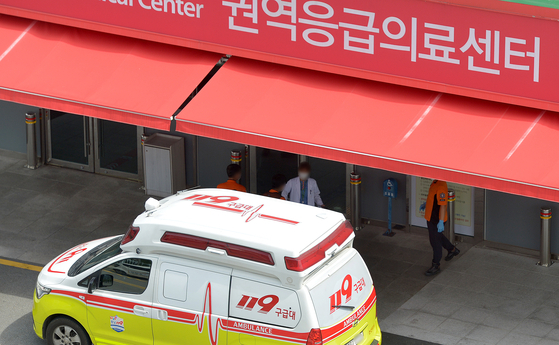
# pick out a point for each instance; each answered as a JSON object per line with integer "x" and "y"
{"x": 355, "y": 200}
{"x": 30, "y": 122}
{"x": 451, "y": 212}
{"x": 545, "y": 245}
{"x": 236, "y": 157}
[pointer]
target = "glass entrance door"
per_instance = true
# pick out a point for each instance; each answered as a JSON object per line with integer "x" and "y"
{"x": 69, "y": 140}
{"x": 100, "y": 146}
{"x": 271, "y": 162}
{"x": 117, "y": 149}
{"x": 331, "y": 178}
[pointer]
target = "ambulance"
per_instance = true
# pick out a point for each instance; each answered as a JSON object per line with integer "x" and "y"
{"x": 215, "y": 267}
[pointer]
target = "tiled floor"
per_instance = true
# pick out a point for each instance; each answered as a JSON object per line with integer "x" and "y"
{"x": 46, "y": 211}
{"x": 397, "y": 265}
{"x": 484, "y": 297}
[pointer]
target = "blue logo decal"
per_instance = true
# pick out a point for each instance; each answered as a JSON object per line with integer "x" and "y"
{"x": 117, "y": 324}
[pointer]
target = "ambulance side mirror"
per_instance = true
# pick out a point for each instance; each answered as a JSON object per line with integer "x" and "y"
{"x": 91, "y": 285}
{"x": 105, "y": 280}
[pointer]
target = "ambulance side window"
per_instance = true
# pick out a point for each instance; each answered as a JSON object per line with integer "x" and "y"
{"x": 126, "y": 276}
{"x": 264, "y": 303}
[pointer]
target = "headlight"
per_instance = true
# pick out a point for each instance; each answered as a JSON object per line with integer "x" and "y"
{"x": 42, "y": 290}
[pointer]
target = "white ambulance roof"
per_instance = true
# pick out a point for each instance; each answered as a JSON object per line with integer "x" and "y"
{"x": 276, "y": 226}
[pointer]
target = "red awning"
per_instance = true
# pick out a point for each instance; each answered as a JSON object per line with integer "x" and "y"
{"x": 410, "y": 131}
{"x": 95, "y": 74}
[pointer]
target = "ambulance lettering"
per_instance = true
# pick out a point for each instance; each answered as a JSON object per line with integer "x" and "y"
{"x": 356, "y": 317}
{"x": 65, "y": 257}
{"x": 266, "y": 303}
{"x": 230, "y": 204}
{"x": 347, "y": 289}
{"x": 252, "y": 328}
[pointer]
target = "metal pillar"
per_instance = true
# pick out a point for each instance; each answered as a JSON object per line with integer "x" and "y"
{"x": 252, "y": 173}
{"x": 545, "y": 245}
{"x": 31, "y": 121}
{"x": 451, "y": 212}
{"x": 355, "y": 200}
{"x": 236, "y": 157}
{"x": 196, "y": 177}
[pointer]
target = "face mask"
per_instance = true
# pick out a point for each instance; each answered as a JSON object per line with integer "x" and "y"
{"x": 304, "y": 175}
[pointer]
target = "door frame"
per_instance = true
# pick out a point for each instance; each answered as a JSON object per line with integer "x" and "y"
{"x": 88, "y": 135}
{"x": 92, "y": 148}
{"x": 97, "y": 143}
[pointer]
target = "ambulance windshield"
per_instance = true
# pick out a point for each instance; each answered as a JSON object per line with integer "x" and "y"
{"x": 98, "y": 254}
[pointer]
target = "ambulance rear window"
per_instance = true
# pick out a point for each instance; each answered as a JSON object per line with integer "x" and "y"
{"x": 262, "y": 303}
{"x": 342, "y": 292}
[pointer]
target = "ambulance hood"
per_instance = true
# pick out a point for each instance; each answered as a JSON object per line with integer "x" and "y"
{"x": 57, "y": 270}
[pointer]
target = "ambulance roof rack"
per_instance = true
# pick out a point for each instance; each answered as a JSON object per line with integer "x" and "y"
{"x": 259, "y": 234}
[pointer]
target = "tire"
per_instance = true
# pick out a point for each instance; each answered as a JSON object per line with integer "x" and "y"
{"x": 65, "y": 331}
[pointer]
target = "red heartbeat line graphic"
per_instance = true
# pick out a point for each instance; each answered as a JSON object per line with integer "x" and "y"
{"x": 252, "y": 213}
{"x": 213, "y": 327}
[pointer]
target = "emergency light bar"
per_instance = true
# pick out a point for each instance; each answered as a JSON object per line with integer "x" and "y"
{"x": 233, "y": 250}
{"x": 316, "y": 254}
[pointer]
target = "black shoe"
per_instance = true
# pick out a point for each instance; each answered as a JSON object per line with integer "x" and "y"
{"x": 433, "y": 270}
{"x": 452, "y": 254}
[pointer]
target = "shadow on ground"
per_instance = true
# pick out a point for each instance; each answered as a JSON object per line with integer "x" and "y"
{"x": 392, "y": 339}
{"x": 20, "y": 332}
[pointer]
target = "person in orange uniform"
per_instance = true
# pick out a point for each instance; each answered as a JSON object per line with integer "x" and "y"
{"x": 436, "y": 215}
{"x": 234, "y": 173}
{"x": 278, "y": 184}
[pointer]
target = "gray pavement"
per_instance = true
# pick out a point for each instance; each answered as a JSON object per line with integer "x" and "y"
{"x": 484, "y": 297}
{"x": 16, "y": 301}
{"x": 46, "y": 211}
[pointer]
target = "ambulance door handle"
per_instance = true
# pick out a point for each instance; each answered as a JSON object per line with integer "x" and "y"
{"x": 141, "y": 311}
{"x": 216, "y": 251}
{"x": 332, "y": 250}
{"x": 162, "y": 315}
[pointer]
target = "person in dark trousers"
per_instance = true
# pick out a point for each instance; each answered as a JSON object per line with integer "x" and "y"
{"x": 278, "y": 184}
{"x": 234, "y": 173}
{"x": 436, "y": 215}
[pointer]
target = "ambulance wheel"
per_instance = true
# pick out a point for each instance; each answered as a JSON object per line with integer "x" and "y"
{"x": 64, "y": 331}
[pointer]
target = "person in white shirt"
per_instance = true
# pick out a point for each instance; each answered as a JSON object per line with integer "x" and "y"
{"x": 303, "y": 189}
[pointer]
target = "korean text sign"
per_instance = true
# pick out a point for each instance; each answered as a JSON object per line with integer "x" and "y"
{"x": 441, "y": 44}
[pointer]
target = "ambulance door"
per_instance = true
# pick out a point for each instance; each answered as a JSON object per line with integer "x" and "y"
{"x": 190, "y": 304}
{"x": 262, "y": 314}
{"x": 119, "y": 305}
